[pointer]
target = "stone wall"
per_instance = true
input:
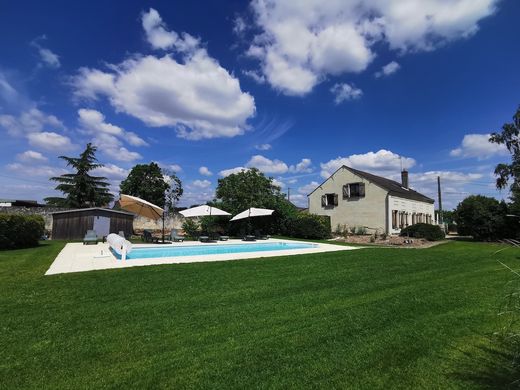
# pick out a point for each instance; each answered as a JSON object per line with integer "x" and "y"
{"x": 140, "y": 223}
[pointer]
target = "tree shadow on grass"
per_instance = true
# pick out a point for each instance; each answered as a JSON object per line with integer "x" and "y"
{"x": 491, "y": 366}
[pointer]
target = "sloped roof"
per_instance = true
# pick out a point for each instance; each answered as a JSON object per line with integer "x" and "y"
{"x": 393, "y": 187}
{"x": 91, "y": 209}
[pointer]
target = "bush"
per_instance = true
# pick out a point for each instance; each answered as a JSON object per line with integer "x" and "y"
{"x": 309, "y": 226}
{"x": 20, "y": 231}
{"x": 423, "y": 230}
{"x": 191, "y": 228}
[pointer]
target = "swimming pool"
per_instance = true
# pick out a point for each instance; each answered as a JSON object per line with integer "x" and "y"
{"x": 208, "y": 249}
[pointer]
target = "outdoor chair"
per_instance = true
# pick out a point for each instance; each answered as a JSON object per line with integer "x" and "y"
{"x": 148, "y": 237}
{"x": 175, "y": 237}
{"x": 204, "y": 239}
{"x": 90, "y": 238}
{"x": 260, "y": 236}
{"x": 249, "y": 237}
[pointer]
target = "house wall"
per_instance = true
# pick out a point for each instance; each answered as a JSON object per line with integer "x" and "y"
{"x": 368, "y": 211}
{"x": 409, "y": 207}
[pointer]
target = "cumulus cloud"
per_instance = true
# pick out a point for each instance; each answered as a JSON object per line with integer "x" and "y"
{"x": 35, "y": 170}
{"x": 380, "y": 162}
{"x": 200, "y": 184}
{"x": 388, "y": 69}
{"x": 30, "y": 121}
{"x": 112, "y": 147}
{"x": 49, "y": 140}
{"x": 344, "y": 91}
{"x": 231, "y": 171}
{"x": 205, "y": 171}
{"x": 195, "y": 95}
{"x": 308, "y": 188}
{"x": 300, "y": 44}
{"x": 112, "y": 172}
{"x": 478, "y": 146}
{"x": 304, "y": 166}
{"x": 175, "y": 168}
{"x": 266, "y": 165}
{"x": 30, "y": 156}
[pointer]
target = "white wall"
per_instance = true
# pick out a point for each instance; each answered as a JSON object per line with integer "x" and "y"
{"x": 410, "y": 207}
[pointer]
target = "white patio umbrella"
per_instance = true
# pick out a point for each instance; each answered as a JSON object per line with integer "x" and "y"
{"x": 142, "y": 207}
{"x": 203, "y": 211}
{"x": 252, "y": 212}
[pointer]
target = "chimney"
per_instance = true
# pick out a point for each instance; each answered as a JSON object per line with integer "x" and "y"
{"x": 404, "y": 178}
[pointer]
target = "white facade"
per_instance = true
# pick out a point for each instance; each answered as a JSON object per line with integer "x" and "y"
{"x": 375, "y": 207}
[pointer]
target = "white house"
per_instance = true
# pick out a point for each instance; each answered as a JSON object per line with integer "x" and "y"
{"x": 353, "y": 198}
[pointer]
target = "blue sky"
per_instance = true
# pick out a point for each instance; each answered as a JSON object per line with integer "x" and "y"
{"x": 296, "y": 90}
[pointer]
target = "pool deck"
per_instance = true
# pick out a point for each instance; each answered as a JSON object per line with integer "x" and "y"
{"x": 76, "y": 257}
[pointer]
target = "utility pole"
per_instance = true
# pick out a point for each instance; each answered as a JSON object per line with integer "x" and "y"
{"x": 289, "y": 194}
{"x": 440, "y": 199}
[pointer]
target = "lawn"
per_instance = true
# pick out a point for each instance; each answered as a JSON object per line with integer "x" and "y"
{"x": 371, "y": 318}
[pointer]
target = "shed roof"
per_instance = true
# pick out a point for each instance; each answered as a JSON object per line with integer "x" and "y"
{"x": 92, "y": 209}
{"x": 393, "y": 187}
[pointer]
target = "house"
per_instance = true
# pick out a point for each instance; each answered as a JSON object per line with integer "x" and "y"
{"x": 353, "y": 198}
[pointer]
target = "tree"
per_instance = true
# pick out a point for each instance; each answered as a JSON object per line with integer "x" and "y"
{"x": 174, "y": 191}
{"x": 251, "y": 188}
{"x": 149, "y": 182}
{"x": 482, "y": 217}
{"x": 81, "y": 189}
{"x": 510, "y": 172}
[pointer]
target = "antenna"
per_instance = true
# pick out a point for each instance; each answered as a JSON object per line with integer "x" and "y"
{"x": 401, "y": 161}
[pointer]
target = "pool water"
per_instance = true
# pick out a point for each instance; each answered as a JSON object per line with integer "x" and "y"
{"x": 175, "y": 251}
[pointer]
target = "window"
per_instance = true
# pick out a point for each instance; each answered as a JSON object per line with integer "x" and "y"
{"x": 394, "y": 219}
{"x": 354, "y": 190}
{"x": 329, "y": 200}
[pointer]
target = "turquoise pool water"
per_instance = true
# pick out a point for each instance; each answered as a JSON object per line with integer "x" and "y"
{"x": 209, "y": 249}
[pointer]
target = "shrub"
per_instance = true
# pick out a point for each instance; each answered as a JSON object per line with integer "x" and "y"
{"x": 361, "y": 231}
{"x": 423, "y": 230}
{"x": 20, "y": 231}
{"x": 309, "y": 226}
{"x": 191, "y": 228}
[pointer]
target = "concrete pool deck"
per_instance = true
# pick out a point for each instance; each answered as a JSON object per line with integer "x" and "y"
{"x": 76, "y": 257}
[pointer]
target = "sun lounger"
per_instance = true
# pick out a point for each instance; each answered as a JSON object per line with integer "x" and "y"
{"x": 249, "y": 237}
{"x": 260, "y": 236}
{"x": 90, "y": 238}
{"x": 175, "y": 237}
{"x": 148, "y": 237}
{"x": 204, "y": 239}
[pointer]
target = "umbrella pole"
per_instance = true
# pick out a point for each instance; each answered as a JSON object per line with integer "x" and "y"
{"x": 163, "y": 228}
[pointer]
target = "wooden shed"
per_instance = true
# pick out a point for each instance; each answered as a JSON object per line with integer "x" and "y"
{"x": 73, "y": 224}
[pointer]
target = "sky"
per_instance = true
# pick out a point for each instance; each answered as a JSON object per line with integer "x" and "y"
{"x": 296, "y": 89}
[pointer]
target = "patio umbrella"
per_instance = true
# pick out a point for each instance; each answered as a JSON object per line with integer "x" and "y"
{"x": 252, "y": 212}
{"x": 142, "y": 207}
{"x": 203, "y": 211}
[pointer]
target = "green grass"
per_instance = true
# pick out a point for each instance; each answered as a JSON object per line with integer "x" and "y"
{"x": 371, "y": 318}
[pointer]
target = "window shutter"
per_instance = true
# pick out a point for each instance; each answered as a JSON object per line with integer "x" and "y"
{"x": 345, "y": 191}
{"x": 361, "y": 189}
{"x": 335, "y": 199}
{"x": 324, "y": 200}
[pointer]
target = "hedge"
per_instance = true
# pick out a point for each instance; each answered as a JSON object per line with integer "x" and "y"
{"x": 20, "y": 231}
{"x": 423, "y": 230}
{"x": 309, "y": 226}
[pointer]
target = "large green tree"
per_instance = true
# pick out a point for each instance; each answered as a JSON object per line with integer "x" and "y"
{"x": 482, "y": 217}
{"x": 251, "y": 188}
{"x": 82, "y": 190}
{"x": 510, "y": 173}
{"x": 149, "y": 182}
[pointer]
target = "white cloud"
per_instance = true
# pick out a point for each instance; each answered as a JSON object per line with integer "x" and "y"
{"x": 50, "y": 141}
{"x": 49, "y": 58}
{"x": 255, "y": 75}
{"x": 30, "y": 156}
{"x": 112, "y": 147}
{"x": 112, "y": 172}
{"x": 195, "y": 95}
{"x": 299, "y": 200}
{"x": 344, "y": 91}
{"x": 278, "y": 183}
{"x": 200, "y": 184}
{"x": 263, "y": 147}
{"x": 94, "y": 122}
{"x": 478, "y": 145}
{"x": 160, "y": 38}
{"x": 301, "y": 43}
{"x": 205, "y": 171}
{"x": 304, "y": 166}
{"x": 388, "y": 69}
{"x": 266, "y": 165}
{"x": 35, "y": 170}
{"x": 380, "y": 162}
{"x": 308, "y": 188}
{"x": 231, "y": 171}
{"x": 175, "y": 168}
{"x": 30, "y": 121}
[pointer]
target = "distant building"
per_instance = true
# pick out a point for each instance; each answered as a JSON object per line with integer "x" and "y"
{"x": 19, "y": 203}
{"x": 353, "y": 198}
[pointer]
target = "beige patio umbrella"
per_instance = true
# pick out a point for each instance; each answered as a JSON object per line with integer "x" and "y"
{"x": 142, "y": 207}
